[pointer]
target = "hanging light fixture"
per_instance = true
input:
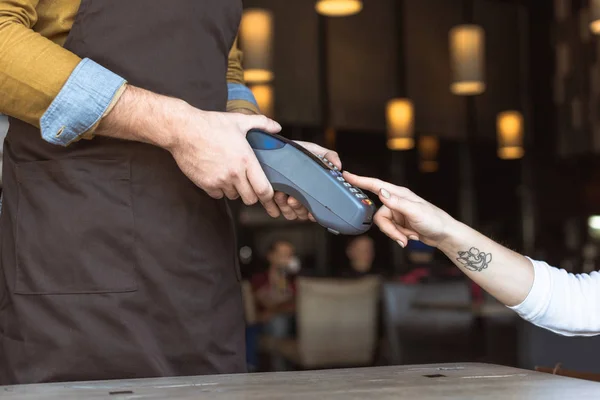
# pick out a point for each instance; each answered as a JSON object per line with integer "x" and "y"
{"x": 400, "y": 124}
{"x": 256, "y": 41}
{"x": 594, "y": 226}
{"x": 509, "y": 126}
{"x": 595, "y": 16}
{"x": 339, "y": 8}
{"x": 467, "y": 55}
{"x": 263, "y": 93}
{"x": 429, "y": 147}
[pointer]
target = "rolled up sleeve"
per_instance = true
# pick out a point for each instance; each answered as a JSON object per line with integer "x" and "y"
{"x": 46, "y": 85}
{"x": 240, "y": 97}
{"x": 84, "y": 99}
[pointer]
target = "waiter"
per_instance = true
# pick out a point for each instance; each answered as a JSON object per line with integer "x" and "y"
{"x": 117, "y": 248}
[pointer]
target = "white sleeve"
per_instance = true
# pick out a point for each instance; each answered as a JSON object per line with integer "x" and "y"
{"x": 561, "y": 302}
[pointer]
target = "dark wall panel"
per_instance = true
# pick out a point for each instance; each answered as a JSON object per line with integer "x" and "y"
{"x": 501, "y": 24}
{"x": 295, "y": 60}
{"x": 363, "y": 64}
{"x": 576, "y": 87}
{"x": 363, "y": 69}
{"x": 428, "y": 22}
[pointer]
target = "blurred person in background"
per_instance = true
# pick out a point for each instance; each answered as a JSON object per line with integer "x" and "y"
{"x": 361, "y": 263}
{"x": 275, "y": 294}
{"x": 546, "y": 296}
{"x": 274, "y": 288}
{"x": 361, "y": 254}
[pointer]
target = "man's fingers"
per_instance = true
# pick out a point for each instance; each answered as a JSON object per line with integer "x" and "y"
{"x": 322, "y": 152}
{"x": 383, "y": 219}
{"x": 281, "y": 199}
{"x": 231, "y": 193}
{"x": 291, "y": 208}
{"x": 298, "y": 208}
{"x": 261, "y": 187}
{"x": 248, "y": 122}
{"x": 215, "y": 193}
{"x": 334, "y": 157}
{"x": 246, "y": 192}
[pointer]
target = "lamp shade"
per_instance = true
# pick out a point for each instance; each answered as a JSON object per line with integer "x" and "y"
{"x": 509, "y": 127}
{"x": 595, "y": 16}
{"x": 339, "y": 8}
{"x": 263, "y": 93}
{"x": 429, "y": 147}
{"x": 256, "y": 41}
{"x": 467, "y": 57}
{"x": 594, "y": 226}
{"x": 400, "y": 124}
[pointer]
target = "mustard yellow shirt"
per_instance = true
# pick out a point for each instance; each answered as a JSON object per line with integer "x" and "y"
{"x": 34, "y": 66}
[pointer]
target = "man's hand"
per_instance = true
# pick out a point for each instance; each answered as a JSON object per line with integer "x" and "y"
{"x": 213, "y": 152}
{"x": 290, "y": 207}
{"x": 210, "y": 148}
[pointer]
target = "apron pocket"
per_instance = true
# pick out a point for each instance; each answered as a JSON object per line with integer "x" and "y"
{"x": 75, "y": 227}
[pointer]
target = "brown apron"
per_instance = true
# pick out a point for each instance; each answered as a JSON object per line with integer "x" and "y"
{"x": 114, "y": 264}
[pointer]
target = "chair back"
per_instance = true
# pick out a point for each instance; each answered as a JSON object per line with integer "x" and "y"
{"x": 337, "y": 321}
{"x": 249, "y": 303}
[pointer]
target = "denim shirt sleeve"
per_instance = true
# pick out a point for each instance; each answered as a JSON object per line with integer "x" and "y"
{"x": 80, "y": 104}
{"x": 237, "y": 91}
{"x": 87, "y": 95}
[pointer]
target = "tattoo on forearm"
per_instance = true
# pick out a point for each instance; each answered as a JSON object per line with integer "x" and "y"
{"x": 474, "y": 260}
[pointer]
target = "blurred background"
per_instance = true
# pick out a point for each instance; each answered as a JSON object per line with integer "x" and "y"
{"x": 489, "y": 109}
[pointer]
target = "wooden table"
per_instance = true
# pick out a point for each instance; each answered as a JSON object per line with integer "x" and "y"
{"x": 444, "y": 381}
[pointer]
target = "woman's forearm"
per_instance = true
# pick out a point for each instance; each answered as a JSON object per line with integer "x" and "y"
{"x": 546, "y": 296}
{"x": 506, "y": 275}
{"x": 564, "y": 303}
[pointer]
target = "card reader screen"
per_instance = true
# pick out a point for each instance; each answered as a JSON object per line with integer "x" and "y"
{"x": 265, "y": 141}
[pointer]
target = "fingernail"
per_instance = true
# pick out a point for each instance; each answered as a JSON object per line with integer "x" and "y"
{"x": 401, "y": 243}
{"x": 385, "y": 194}
{"x": 413, "y": 237}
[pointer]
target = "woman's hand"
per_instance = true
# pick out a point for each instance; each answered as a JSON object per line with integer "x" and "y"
{"x": 506, "y": 275}
{"x": 404, "y": 215}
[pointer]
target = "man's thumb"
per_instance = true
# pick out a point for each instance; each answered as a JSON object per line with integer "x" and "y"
{"x": 261, "y": 122}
